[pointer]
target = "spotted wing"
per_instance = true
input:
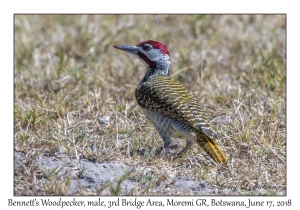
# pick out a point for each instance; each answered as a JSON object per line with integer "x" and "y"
{"x": 170, "y": 98}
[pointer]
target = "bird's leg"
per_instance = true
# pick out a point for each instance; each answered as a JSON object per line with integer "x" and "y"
{"x": 158, "y": 151}
{"x": 167, "y": 142}
{"x": 188, "y": 145}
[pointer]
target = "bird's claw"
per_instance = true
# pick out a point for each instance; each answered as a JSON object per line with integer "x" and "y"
{"x": 167, "y": 150}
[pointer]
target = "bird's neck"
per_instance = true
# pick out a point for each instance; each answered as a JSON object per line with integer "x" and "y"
{"x": 160, "y": 68}
{"x": 152, "y": 72}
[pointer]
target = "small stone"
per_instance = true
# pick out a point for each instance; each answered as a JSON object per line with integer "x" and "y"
{"x": 104, "y": 120}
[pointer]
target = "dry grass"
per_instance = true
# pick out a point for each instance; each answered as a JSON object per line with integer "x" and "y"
{"x": 74, "y": 97}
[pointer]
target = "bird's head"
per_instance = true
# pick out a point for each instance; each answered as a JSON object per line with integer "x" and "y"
{"x": 153, "y": 54}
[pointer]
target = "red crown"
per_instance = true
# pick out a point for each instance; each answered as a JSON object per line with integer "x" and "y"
{"x": 156, "y": 45}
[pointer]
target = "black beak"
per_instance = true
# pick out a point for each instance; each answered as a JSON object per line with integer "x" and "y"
{"x": 126, "y": 48}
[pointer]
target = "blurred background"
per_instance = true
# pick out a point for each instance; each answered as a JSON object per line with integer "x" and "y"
{"x": 209, "y": 53}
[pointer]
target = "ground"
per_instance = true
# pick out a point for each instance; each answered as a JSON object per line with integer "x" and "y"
{"x": 79, "y": 131}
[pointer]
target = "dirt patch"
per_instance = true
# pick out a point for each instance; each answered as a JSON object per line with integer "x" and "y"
{"x": 104, "y": 177}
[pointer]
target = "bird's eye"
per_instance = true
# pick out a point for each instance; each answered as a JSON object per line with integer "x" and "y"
{"x": 146, "y": 48}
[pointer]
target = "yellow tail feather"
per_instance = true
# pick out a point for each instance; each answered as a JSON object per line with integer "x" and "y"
{"x": 212, "y": 149}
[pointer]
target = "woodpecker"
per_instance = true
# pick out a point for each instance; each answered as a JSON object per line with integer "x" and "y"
{"x": 168, "y": 105}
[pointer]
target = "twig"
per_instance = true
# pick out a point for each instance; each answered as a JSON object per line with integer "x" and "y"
{"x": 182, "y": 70}
{"x": 76, "y": 154}
{"x": 116, "y": 123}
{"x": 137, "y": 120}
{"x": 28, "y": 124}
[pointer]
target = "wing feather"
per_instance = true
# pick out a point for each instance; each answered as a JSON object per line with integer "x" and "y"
{"x": 170, "y": 98}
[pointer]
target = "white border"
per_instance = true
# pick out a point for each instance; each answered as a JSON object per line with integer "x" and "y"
{"x": 151, "y": 6}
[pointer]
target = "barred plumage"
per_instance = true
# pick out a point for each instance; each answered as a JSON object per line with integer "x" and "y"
{"x": 168, "y": 105}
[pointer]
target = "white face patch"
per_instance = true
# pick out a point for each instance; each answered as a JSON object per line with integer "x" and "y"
{"x": 154, "y": 55}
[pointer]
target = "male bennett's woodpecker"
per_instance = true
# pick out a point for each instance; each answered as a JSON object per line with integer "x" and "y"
{"x": 168, "y": 105}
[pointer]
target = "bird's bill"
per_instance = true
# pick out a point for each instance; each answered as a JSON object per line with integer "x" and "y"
{"x": 126, "y": 48}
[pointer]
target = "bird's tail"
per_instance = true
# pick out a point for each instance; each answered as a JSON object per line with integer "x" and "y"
{"x": 211, "y": 148}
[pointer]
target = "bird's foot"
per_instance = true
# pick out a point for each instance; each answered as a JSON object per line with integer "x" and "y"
{"x": 180, "y": 155}
{"x": 167, "y": 150}
{"x": 177, "y": 156}
{"x": 183, "y": 152}
{"x": 158, "y": 151}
